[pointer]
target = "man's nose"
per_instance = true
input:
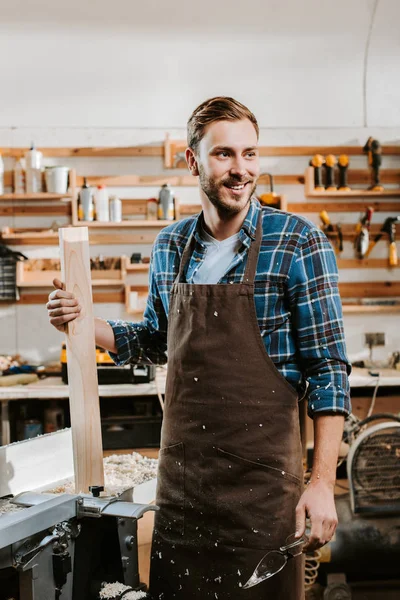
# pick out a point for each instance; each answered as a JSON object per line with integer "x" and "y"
{"x": 238, "y": 167}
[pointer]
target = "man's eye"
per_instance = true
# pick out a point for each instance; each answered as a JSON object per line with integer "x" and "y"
{"x": 223, "y": 154}
{"x": 251, "y": 154}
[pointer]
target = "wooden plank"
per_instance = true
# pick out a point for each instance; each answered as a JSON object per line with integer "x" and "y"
{"x": 380, "y": 309}
{"x": 99, "y": 297}
{"x": 82, "y": 369}
{"x": 364, "y": 263}
{"x": 175, "y": 146}
{"x": 174, "y": 180}
{"x": 35, "y": 463}
{"x": 93, "y": 152}
{"x": 180, "y": 146}
{"x": 50, "y": 238}
{"x": 62, "y": 209}
{"x": 339, "y": 207}
{"x": 135, "y": 223}
{"x": 370, "y": 289}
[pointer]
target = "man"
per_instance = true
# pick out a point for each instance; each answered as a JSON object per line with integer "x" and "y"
{"x": 245, "y": 301}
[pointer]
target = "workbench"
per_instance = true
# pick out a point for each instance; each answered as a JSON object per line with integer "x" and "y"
{"x": 53, "y": 388}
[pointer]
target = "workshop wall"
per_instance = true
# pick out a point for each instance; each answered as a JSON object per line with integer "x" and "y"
{"x": 313, "y": 73}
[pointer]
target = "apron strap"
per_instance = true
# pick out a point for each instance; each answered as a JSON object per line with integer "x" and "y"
{"x": 253, "y": 253}
{"x": 252, "y": 256}
{"x": 187, "y": 253}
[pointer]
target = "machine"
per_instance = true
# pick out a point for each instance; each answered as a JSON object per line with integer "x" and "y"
{"x": 365, "y": 550}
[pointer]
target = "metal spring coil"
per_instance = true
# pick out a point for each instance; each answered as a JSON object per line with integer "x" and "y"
{"x": 313, "y": 560}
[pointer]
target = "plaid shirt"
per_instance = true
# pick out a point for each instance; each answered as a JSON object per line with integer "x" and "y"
{"x": 296, "y": 296}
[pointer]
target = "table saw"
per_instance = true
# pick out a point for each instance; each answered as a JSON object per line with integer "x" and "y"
{"x": 63, "y": 546}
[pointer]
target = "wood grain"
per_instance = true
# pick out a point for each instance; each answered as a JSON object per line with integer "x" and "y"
{"x": 82, "y": 369}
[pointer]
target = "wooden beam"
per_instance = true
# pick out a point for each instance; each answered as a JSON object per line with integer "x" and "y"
{"x": 370, "y": 289}
{"x": 173, "y": 147}
{"x": 364, "y": 263}
{"x": 340, "y": 207}
{"x": 31, "y": 211}
{"x": 99, "y": 297}
{"x": 67, "y": 152}
{"x": 82, "y": 369}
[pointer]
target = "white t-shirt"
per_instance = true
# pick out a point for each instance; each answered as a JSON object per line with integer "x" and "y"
{"x": 218, "y": 257}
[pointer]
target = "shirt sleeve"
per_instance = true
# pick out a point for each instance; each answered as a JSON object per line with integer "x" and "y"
{"x": 318, "y": 325}
{"x": 144, "y": 342}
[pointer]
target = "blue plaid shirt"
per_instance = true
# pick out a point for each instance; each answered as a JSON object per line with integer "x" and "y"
{"x": 296, "y": 296}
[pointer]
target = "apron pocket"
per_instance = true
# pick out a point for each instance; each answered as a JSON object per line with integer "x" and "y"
{"x": 255, "y": 502}
{"x": 171, "y": 492}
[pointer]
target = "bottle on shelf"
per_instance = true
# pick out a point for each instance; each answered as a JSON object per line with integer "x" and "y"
{"x": 152, "y": 209}
{"x": 85, "y": 203}
{"x": 166, "y": 205}
{"x": 115, "y": 209}
{"x": 19, "y": 177}
{"x": 1, "y": 176}
{"x": 34, "y": 168}
{"x": 102, "y": 204}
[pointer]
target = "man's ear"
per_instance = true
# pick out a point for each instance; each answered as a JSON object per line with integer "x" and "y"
{"x": 191, "y": 162}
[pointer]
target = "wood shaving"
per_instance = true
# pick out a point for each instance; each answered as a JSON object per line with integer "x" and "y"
{"x": 114, "y": 590}
{"x": 121, "y": 472}
{"x": 6, "y": 507}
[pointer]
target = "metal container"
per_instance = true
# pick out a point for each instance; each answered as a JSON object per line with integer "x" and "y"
{"x": 115, "y": 209}
{"x": 166, "y": 205}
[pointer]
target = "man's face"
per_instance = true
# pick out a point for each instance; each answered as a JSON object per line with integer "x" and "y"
{"x": 228, "y": 164}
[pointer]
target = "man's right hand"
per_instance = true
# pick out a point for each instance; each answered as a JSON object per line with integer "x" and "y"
{"x": 62, "y": 306}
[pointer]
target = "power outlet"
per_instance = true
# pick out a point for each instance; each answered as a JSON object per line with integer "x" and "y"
{"x": 374, "y": 339}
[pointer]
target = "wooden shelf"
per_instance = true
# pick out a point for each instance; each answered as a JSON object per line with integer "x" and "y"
{"x": 99, "y": 152}
{"x": 311, "y": 193}
{"x": 36, "y": 196}
{"x": 370, "y": 289}
{"x": 142, "y": 293}
{"x": 49, "y": 284}
{"x": 380, "y": 309}
{"x": 339, "y": 207}
{"x": 137, "y": 267}
{"x": 365, "y": 263}
{"x": 172, "y": 148}
{"x": 142, "y": 223}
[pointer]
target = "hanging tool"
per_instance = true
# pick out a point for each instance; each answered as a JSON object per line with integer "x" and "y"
{"x": 270, "y": 198}
{"x": 389, "y": 227}
{"x": 330, "y": 162}
{"x": 317, "y": 162}
{"x": 328, "y": 227}
{"x": 374, "y": 150}
{"x": 361, "y": 242}
{"x": 343, "y": 165}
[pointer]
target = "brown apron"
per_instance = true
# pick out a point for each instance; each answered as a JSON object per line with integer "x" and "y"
{"x": 230, "y": 467}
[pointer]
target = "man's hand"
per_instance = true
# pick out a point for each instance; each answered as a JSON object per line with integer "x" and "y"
{"x": 317, "y": 503}
{"x": 62, "y": 306}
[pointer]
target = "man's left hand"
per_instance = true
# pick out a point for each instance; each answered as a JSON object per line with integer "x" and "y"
{"x": 318, "y": 503}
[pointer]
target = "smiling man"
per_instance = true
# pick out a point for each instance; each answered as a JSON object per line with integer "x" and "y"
{"x": 244, "y": 301}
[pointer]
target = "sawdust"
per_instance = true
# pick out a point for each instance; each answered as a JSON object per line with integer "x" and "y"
{"x": 114, "y": 590}
{"x": 6, "y": 507}
{"x": 121, "y": 471}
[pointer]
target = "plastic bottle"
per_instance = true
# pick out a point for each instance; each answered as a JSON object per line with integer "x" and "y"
{"x": 102, "y": 205}
{"x": 19, "y": 177}
{"x": 34, "y": 168}
{"x": 1, "y": 176}
{"x": 166, "y": 205}
{"x": 86, "y": 206}
{"x": 115, "y": 209}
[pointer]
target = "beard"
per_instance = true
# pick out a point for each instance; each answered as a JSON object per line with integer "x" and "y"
{"x": 227, "y": 204}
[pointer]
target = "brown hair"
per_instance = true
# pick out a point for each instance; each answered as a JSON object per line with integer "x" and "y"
{"x": 220, "y": 108}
